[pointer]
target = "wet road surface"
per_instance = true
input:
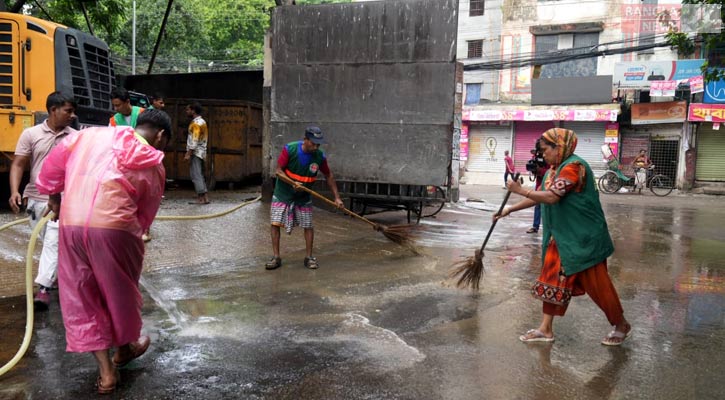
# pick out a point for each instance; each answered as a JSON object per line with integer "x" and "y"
{"x": 378, "y": 322}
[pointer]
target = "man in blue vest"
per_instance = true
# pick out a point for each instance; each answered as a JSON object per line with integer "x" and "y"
{"x": 300, "y": 161}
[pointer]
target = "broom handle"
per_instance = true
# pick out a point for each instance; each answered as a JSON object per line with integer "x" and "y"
{"x": 288, "y": 180}
{"x": 500, "y": 210}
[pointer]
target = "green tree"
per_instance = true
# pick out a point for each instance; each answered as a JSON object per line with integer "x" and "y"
{"x": 686, "y": 43}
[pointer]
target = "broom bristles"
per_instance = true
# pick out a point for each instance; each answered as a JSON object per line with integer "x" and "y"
{"x": 470, "y": 271}
{"x": 399, "y": 234}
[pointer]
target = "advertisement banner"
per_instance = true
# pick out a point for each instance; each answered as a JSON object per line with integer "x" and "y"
{"x": 697, "y": 84}
{"x": 611, "y": 138}
{"x": 714, "y": 92}
{"x": 662, "y": 88}
{"x": 541, "y": 115}
{"x": 706, "y": 112}
{"x": 659, "y": 113}
{"x": 640, "y": 75}
{"x": 464, "y": 143}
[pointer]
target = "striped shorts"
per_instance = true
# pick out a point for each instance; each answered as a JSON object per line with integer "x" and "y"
{"x": 289, "y": 215}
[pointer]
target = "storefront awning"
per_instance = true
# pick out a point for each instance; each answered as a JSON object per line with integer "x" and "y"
{"x": 595, "y": 113}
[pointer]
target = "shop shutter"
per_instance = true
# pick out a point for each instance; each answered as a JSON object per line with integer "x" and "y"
{"x": 525, "y": 135}
{"x": 590, "y": 137}
{"x": 486, "y": 145}
{"x": 710, "y": 149}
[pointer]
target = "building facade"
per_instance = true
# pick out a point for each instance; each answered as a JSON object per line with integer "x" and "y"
{"x": 535, "y": 64}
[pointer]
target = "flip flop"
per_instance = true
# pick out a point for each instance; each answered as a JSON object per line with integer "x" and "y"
{"x": 535, "y": 336}
{"x": 198, "y": 203}
{"x": 615, "y": 334}
{"x": 138, "y": 348}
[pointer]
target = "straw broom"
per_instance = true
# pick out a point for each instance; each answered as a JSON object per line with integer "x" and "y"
{"x": 471, "y": 269}
{"x": 397, "y": 234}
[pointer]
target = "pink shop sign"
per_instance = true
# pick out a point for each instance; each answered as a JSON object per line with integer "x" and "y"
{"x": 541, "y": 115}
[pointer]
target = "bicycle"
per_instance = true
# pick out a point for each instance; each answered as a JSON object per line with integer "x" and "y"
{"x": 659, "y": 184}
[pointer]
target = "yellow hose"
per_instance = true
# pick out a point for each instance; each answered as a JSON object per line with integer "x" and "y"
{"x": 16, "y": 222}
{"x": 29, "y": 270}
{"x": 28, "y": 291}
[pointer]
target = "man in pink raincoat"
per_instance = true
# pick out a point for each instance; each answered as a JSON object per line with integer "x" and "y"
{"x": 112, "y": 180}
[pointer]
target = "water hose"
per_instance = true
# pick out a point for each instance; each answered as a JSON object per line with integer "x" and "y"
{"x": 29, "y": 269}
{"x": 28, "y": 291}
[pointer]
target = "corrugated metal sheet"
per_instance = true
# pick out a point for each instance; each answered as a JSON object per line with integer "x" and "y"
{"x": 710, "y": 150}
{"x": 590, "y": 137}
{"x": 486, "y": 145}
{"x": 525, "y": 140}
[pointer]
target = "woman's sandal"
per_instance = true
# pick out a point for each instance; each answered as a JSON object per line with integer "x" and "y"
{"x": 616, "y": 338}
{"x": 535, "y": 335}
{"x": 138, "y": 348}
{"x": 107, "y": 389}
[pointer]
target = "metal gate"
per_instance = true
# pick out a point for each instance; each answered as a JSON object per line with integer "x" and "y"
{"x": 526, "y": 135}
{"x": 590, "y": 136}
{"x": 486, "y": 145}
{"x": 710, "y": 149}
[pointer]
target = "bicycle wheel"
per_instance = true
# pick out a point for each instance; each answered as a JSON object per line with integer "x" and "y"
{"x": 433, "y": 204}
{"x": 661, "y": 185}
{"x": 609, "y": 182}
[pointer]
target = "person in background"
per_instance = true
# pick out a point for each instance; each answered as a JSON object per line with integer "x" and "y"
{"x": 576, "y": 241}
{"x": 300, "y": 161}
{"x": 196, "y": 143}
{"x": 640, "y": 165}
{"x": 540, "y": 170}
{"x": 510, "y": 169}
{"x": 112, "y": 180}
{"x": 157, "y": 102}
{"x": 33, "y": 146}
{"x": 126, "y": 114}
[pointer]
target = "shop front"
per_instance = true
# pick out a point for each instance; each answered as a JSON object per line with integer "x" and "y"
{"x": 526, "y": 124}
{"x": 525, "y": 134}
{"x": 487, "y": 142}
{"x": 710, "y": 164}
{"x": 658, "y": 129}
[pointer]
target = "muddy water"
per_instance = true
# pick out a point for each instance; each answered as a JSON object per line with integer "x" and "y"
{"x": 376, "y": 321}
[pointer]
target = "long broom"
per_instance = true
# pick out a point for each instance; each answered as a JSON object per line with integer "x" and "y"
{"x": 471, "y": 269}
{"x": 397, "y": 234}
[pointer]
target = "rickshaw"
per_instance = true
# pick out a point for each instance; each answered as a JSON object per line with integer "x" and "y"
{"x": 614, "y": 179}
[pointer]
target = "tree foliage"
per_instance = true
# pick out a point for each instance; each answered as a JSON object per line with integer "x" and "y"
{"x": 712, "y": 43}
{"x": 199, "y": 34}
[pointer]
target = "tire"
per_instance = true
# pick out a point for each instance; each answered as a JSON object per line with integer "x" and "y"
{"x": 661, "y": 185}
{"x": 609, "y": 182}
{"x": 433, "y": 205}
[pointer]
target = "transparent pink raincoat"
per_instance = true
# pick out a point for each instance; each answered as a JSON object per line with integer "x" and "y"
{"x": 107, "y": 178}
{"x": 112, "y": 183}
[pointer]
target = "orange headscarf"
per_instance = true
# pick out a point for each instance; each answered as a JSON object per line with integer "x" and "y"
{"x": 565, "y": 141}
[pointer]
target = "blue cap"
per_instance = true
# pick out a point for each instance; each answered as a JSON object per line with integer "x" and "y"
{"x": 315, "y": 135}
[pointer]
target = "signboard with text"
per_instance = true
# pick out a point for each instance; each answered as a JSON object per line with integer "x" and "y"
{"x": 659, "y": 113}
{"x": 706, "y": 112}
{"x": 541, "y": 115}
{"x": 641, "y": 74}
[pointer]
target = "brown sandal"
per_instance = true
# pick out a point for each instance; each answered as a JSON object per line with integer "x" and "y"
{"x": 107, "y": 389}
{"x": 138, "y": 348}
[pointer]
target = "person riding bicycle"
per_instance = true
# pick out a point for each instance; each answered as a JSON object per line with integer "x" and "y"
{"x": 640, "y": 165}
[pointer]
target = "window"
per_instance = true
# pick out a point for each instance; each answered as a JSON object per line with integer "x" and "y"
{"x": 476, "y": 8}
{"x": 566, "y": 45}
{"x": 473, "y": 93}
{"x": 475, "y": 48}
